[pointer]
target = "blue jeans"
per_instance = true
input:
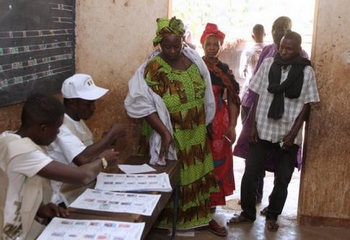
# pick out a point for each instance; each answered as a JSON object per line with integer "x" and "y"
{"x": 254, "y": 166}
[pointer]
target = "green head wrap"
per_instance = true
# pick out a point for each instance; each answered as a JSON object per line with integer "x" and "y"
{"x": 166, "y": 26}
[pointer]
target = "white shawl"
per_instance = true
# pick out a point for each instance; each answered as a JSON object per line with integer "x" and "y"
{"x": 141, "y": 101}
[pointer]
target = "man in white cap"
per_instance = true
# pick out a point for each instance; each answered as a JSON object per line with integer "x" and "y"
{"x": 74, "y": 144}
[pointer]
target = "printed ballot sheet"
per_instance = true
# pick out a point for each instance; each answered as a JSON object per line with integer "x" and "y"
{"x": 61, "y": 228}
{"x": 98, "y": 200}
{"x": 133, "y": 182}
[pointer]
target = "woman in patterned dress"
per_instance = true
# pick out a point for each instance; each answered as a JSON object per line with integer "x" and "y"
{"x": 223, "y": 133}
{"x": 172, "y": 92}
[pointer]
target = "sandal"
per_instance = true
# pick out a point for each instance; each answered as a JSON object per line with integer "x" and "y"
{"x": 271, "y": 225}
{"x": 240, "y": 219}
{"x": 215, "y": 228}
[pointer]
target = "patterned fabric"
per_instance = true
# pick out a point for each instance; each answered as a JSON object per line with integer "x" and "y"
{"x": 275, "y": 130}
{"x": 221, "y": 149}
{"x": 183, "y": 94}
{"x": 223, "y": 75}
{"x": 166, "y": 26}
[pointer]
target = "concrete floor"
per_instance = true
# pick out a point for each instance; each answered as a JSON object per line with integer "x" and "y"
{"x": 288, "y": 230}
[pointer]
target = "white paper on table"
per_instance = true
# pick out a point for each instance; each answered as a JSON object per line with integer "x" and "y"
{"x": 136, "y": 168}
{"x": 150, "y": 182}
{"x": 63, "y": 228}
{"x": 98, "y": 200}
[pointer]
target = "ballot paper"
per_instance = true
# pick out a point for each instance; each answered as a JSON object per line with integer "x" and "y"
{"x": 133, "y": 182}
{"x": 98, "y": 200}
{"x": 62, "y": 228}
{"x": 144, "y": 168}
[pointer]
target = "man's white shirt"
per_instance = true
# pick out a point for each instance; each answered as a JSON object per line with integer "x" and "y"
{"x": 73, "y": 138}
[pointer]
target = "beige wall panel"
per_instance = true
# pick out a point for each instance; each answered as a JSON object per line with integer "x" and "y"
{"x": 325, "y": 187}
{"x": 10, "y": 117}
{"x": 113, "y": 38}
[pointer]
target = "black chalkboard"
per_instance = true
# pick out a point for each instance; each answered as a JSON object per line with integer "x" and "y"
{"x": 36, "y": 47}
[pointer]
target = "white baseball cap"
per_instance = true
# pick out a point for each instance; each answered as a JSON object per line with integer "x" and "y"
{"x": 82, "y": 86}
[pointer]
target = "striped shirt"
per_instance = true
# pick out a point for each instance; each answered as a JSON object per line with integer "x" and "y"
{"x": 275, "y": 130}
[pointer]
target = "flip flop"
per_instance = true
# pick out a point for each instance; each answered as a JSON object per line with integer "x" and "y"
{"x": 271, "y": 225}
{"x": 215, "y": 228}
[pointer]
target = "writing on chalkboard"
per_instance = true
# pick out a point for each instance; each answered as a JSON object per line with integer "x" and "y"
{"x": 36, "y": 48}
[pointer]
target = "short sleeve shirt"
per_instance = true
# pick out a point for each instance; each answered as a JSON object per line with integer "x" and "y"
{"x": 73, "y": 138}
{"x": 18, "y": 170}
{"x": 275, "y": 130}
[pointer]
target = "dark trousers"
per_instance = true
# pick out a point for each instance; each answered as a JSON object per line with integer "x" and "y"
{"x": 260, "y": 187}
{"x": 254, "y": 166}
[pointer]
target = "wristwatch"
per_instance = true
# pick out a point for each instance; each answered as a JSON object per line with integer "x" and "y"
{"x": 104, "y": 163}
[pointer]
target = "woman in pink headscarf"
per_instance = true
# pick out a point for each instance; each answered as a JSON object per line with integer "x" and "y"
{"x": 222, "y": 130}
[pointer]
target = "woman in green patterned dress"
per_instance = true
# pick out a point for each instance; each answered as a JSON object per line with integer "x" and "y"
{"x": 172, "y": 92}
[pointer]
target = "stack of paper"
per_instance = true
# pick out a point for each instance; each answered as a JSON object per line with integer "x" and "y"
{"x": 136, "y": 168}
{"x": 61, "y": 228}
{"x": 98, "y": 200}
{"x": 133, "y": 182}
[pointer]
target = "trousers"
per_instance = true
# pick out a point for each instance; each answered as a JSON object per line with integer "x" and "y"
{"x": 254, "y": 166}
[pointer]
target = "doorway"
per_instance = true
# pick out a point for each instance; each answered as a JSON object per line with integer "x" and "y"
{"x": 236, "y": 19}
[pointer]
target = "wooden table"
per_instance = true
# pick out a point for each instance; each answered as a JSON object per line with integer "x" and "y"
{"x": 172, "y": 168}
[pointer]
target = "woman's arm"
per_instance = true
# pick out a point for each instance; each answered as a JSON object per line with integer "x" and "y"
{"x": 167, "y": 139}
{"x": 233, "y": 108}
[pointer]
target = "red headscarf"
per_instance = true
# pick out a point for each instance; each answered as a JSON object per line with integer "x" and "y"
{"x": 210, "y": 30}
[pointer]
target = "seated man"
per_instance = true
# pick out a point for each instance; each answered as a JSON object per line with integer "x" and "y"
{"x": 74, "y": 144}
{"x": 23, "y": 164}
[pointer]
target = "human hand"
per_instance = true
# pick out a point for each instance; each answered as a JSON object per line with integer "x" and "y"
{"x": 253, "y": 135}
{"x": 245, "y": 73}
{"x": 230, "y": 135}
{"x": 51, "y": 210}
{"x": 167, "y": 141}
{"x": 111, "y": 156}
{"x": 116, "y": 131}
{"x": 210, "y": 131}
{"x": 288, "y": 142}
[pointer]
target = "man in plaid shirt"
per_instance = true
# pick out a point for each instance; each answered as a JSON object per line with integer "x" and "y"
{"x": 285, "y": 86}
